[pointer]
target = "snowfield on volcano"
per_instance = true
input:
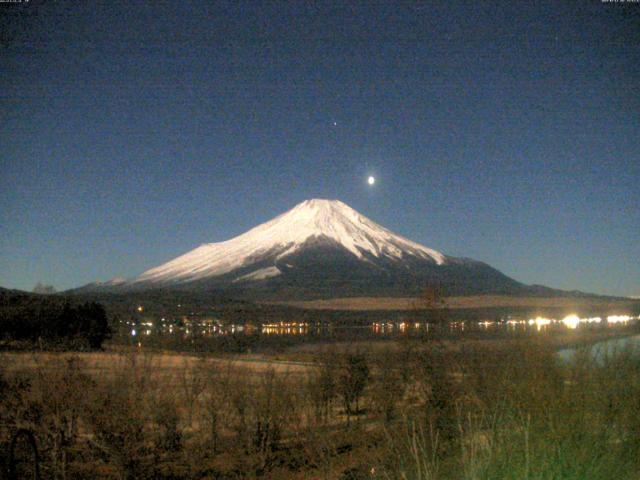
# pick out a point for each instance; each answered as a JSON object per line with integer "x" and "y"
{"x": 285, "y": 235}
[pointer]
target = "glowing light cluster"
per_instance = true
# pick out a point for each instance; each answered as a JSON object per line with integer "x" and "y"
{"x": 285, "y": 328}
{"x": 540, "y": 322}
{"x": 516, "y": 322}
{"x": 592, "y": 320}
{"x": 571, "y": 321}
{"x": 618, "y": 318}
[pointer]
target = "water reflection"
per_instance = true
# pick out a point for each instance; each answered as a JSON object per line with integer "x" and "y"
{"x": 285, "y": 328}
{"x": 538, "y": 324}
{"x": 213, "y": 328}
{"x": 601, "y": 350}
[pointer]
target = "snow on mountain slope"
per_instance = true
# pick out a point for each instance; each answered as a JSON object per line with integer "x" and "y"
{"x": 286, "y": 234}
{"x": 260, "y": 274}
{"x": 114, "y": 282}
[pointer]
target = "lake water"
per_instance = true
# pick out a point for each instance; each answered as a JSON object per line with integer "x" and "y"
{"x": 600, "y": 349}
{"x": 399, "y": 328}
{"x": 509, "y": 326}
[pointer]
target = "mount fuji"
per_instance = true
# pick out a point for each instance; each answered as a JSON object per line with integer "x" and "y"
{"x": 319, "y": 249}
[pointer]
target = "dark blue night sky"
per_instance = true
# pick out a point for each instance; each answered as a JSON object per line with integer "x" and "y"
{"x": 508, "y": 132}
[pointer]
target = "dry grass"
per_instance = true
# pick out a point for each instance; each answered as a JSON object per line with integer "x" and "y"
{"x": 429, "y": 410}
{"x": 164, "y": 362}
{"x": 477, "y": 301}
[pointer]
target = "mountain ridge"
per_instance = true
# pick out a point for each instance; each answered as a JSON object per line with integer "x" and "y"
{"x": 283, "y": 236}
{"x": 319, "y": 249}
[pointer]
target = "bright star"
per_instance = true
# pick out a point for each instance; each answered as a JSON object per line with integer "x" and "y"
{"x": 371, "y": 180}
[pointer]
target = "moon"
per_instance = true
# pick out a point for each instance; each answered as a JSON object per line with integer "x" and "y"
{"x": 371, "y": 180}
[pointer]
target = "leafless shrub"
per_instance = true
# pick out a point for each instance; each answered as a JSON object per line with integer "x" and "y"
{"x": 321, "y": 385}
{"x": 319, "y": 444}
{"x": 353, "y": 377}
{"x": 264, "y": 410}
{"x": 166, "y": 420}
{"x": 413, "y": 448}
{"x": 192, "y": 384}
{"x": 49, "y": 402}
{"x": 440, "y": 389}
{"x": 389, "y": 384}
{"x": 215, "y": 402}
{"x": 117, "y": 414}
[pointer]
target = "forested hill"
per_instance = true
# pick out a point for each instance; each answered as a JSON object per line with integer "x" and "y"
{"x": 51, "y": 320}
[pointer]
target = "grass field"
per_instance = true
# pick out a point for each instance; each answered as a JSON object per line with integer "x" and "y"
{"x": 98, "y": 361}
{"x": 408, "y": 409}
{"x": 479, "y": 301}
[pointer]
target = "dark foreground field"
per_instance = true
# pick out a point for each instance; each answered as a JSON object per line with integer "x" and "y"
{"x": 408, "y": 410}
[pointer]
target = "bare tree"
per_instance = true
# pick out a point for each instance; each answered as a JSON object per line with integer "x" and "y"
{"x": 389, "y": 384}
{"x": 322, "y": 386}
{"x": 116, "y": 414}
{"x": 352, "y": 380}
{"x": 192, "y": 384}
{"x": 320, "y": 445}
{"x": 430, "y": 306}
{"x": 51, "y": 406}
{"x": 166, "y": 418}
{"x": 436, "y": 369}
{"x": 215, "y": 401}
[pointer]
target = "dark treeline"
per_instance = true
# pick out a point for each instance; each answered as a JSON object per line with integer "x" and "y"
{"x": 177, "y": 304}
{"x": 53, "y": 321}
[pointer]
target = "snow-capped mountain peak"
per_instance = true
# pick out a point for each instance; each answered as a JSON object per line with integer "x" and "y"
{"x": 341, "y": 223}
{"x": 287, "y": 234}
